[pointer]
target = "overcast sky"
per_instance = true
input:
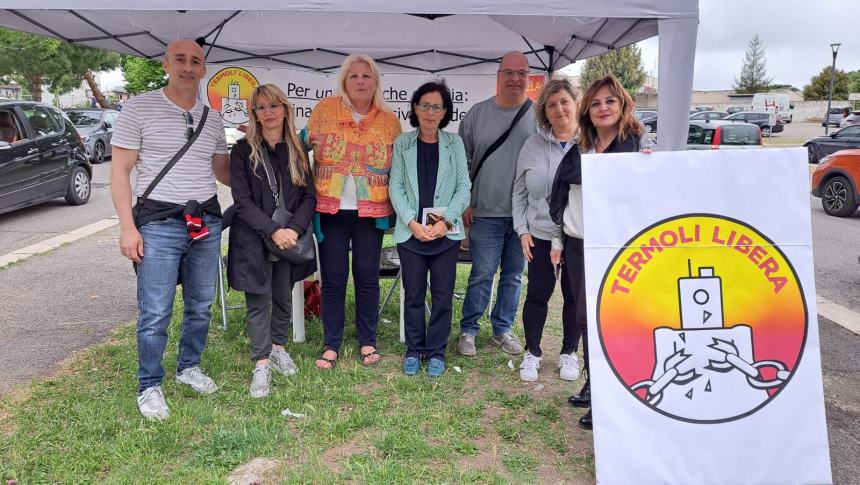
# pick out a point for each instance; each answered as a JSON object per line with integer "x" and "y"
{"x": 797, "y": 35}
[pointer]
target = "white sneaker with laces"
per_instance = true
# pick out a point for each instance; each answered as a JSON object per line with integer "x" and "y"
{"x": 260, "y": 381}
{"x": 198, "y": 381}
{"x": 281, "y": 361}
{"x": 568, "y": 367}
{"x": 529, "y": 367}
{"x": 151, "y": 404}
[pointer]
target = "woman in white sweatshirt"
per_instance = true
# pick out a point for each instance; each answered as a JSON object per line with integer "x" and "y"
{"x": 538, "y": 161}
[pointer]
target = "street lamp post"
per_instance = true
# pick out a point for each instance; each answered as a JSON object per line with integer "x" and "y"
{"x": 835, "y": 49}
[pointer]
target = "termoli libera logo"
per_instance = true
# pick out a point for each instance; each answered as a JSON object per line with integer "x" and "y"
{"x": 229, "y": 92}
{"x": 702, "y": 318}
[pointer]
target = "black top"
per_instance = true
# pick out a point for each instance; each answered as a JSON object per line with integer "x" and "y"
{"x": 428, "y": 170}
{"x": 248, "y": 265}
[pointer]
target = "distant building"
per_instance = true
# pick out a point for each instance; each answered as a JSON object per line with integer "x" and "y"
{"x": 10, "y": 91}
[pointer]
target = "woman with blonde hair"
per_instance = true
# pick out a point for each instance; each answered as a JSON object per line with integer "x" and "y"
{"x": 267, "y": 282}
{"x": 352, "y": 133}
{"x": 555, "y": 112}
{"x": 606, "y": 125}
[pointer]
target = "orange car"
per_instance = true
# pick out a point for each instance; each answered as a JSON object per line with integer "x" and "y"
{"x": 836, "y": 181}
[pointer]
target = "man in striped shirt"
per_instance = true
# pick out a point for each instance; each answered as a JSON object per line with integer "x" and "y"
{"x": 159, "y": 236}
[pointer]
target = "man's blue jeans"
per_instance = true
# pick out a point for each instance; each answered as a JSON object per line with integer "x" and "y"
{"x": 493, "y": 242}
{"x": 169, "y": 251}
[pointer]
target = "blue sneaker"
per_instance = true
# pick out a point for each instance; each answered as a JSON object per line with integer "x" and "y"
{"x": 435, "y": 367}
{"x": 411, "y": 365}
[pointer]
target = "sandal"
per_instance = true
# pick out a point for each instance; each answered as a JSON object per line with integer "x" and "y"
{"x": 369, "y": 355}
{"x": 329, "y": 364}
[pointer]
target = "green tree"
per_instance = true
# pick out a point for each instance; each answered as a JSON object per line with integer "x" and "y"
{"x": 819, "y": 85}
{"x": 854, "y": 81}
{"x": 142, "y": 75}
{"x": 754, "y": 71}
{"x": 34, "y": 61}
{"x": 625, "y": 63}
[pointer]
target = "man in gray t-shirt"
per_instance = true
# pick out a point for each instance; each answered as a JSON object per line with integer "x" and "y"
{"x": 169, "y": 240}
{"x": 493, "y": 242}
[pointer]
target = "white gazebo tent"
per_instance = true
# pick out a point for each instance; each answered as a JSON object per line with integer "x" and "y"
{"x": 438, "y": 37}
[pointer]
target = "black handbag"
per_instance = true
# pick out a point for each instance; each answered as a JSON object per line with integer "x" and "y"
{"x": 303, "y": 251}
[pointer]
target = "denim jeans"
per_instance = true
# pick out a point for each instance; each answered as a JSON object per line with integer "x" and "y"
{"x": 168, "y": 251}
{"x": 493, "y": 242}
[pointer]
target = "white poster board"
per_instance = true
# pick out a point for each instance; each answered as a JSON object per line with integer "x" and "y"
{"x": 227, "y": 89}
{"x": 703, "y": 329}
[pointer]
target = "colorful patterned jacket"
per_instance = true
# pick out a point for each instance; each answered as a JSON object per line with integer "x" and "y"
{"x": 346, "y": 147}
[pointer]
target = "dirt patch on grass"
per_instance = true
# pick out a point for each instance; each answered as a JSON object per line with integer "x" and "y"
{"x": 487, "y": 459}
{"x": 258, "y": 471}
{"x": 334, "y": 456}
{"x": 368, "y": 388}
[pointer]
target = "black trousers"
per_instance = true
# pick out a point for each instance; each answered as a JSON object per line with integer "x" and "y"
{"x": 270, "y": 315}
{"x": 341, "y": 230}
{"x": 574, "y": 260}
{"x": 540, "y": 288}
{"x": 429, "y": 341}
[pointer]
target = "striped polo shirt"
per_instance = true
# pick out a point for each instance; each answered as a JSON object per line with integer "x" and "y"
{"x": 156, "y": 127}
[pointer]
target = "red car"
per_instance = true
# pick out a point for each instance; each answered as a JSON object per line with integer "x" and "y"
{"x": 836, "y": 181}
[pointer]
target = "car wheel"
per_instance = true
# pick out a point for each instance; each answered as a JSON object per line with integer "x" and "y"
{"x": 78, "y": 192}
{"x": 765, "y": 131}
{"x": 99, "y": 152}
{"x": 812, "y": 150}
{"x": 837, "y": 198}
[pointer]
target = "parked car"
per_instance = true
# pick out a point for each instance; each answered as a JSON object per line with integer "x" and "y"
{"x": 768, "y": 122}
{"x": 96, "y": 129}
{"x": 708, "y": 115}
{"x": 41, "y": 157}
{"x": 721, "y": 135}
{"x": 850, "y": 120}
{"x": 821, "y": 146}
{"x": 834, "y": 117}
{"x": 835, "y": 180}
{"x": 735, "y": 109}
{"x": 648, "y": 118}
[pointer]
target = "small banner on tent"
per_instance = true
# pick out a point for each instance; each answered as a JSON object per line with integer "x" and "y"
{"x": 227, "y": 89}
{"x": 702, "y": 320}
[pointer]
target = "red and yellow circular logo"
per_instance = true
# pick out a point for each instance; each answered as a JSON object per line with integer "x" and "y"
{"x": 229, "y": 92}
{"x": 702, "y": 318}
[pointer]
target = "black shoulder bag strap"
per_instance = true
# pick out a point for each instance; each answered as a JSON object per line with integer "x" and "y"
{"x": 499, "y": 141}
{"x": 172, "y": 162}
{"x": 273, "y": 179}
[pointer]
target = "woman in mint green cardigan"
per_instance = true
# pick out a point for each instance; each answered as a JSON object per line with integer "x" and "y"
{"x": 429, "y": 188}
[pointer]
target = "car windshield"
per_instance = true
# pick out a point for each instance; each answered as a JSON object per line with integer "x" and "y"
{"x": 739, "y": 135}
{"x": 84, "y": 118}
{"x": 643, "y": 114}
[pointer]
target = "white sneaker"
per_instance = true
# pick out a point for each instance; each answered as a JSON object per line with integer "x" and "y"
{"x": 568, "y": 367}
{"x": 260, "y": 381}
{"x": 281, "y": 361}
{"x": 529, "y": 367}
{"x": 151, "y": 404}
{"x": 198, "y": 381}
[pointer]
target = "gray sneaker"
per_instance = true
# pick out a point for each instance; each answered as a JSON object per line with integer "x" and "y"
{"x": 508, "y": 343}
{"x": 466, "y": 345}
{"x": 260, "y": 381}
{"x": 151, "y": 404}
{"x": 281, "y": 361}
{"x": 198, "y": 381}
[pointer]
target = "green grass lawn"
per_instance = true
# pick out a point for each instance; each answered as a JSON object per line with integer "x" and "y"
{"x": 362, "y": 425}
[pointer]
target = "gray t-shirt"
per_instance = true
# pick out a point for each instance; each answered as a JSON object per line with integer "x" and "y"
{"x": 156, "y": 127}
{"x": 483, "y": 124}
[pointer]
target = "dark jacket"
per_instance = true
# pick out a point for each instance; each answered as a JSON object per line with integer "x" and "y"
{"x": 248, "y": 265}
{"x": 570, "y": 172}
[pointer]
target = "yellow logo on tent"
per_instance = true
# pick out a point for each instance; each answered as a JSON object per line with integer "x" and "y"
{"x": 229, "y": 92}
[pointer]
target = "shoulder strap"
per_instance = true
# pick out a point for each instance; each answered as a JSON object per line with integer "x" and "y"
{"x": 500, "y": 140}
{"x": 176, "y": 157}
{"x": 271, "y": 177}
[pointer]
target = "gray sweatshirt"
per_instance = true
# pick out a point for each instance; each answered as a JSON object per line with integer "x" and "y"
{"x": 536, "y": 166}
{"x": 483, "y": 124}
